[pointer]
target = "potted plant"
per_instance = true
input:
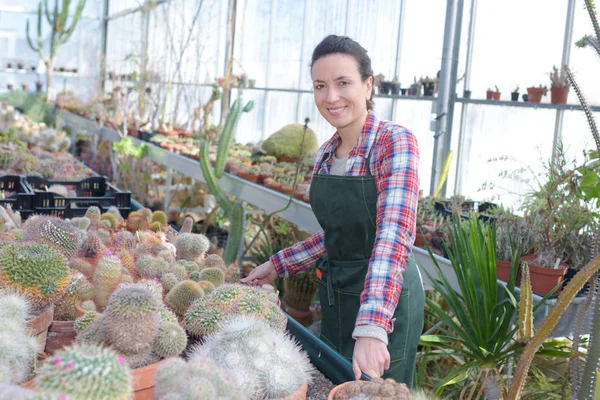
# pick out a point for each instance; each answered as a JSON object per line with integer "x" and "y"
{"x": 559, "y": 89}
{"x": 395, "y": 86}
{"x": 25, "y": 86}
{"x": 415, "y": 88}
{"x": 38, "y": 86}
{"x": 9, "y": 86}
{"x": 298, "y": 293}
{"x": 512, "y": 232}
{"x": 20, "y": 65}
{"x": 493, "y": 94}
{"x": 534, "y": 94}
{"x": 466, "y": 94}
{"x": 428, "y": 85}
{"x": 514, "y": 95}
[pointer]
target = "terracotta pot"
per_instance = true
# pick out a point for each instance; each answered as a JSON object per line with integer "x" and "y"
{"x": 38, "y": 326}
{"x": 273, "y": 185}
{"x": 543, "y": 280}
{"x": 143, "y": 381}
{"x": 503, "y": 271}
{"x": 30, "y": 384}
{"x": 299, "y": 395}
{"x": 302, "y": 316}
{"x": 534, "y": 95}
{"x": 60, "y": 334}
{"x": 79, "y": 311}
{"x": 490, "y": 95}
{"x": 287, "y": 159}
{"x": 287, "y": 189}
{"x": 420, "y": 240}
{"x": 248, "y": 176}
{"x": 262, "y": 177}
{"x": 559, "y": 95}
{"x": 337, "y": 389}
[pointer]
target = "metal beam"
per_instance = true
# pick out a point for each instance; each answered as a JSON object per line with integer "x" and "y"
{"x": 566, "y": 55}
{"x": 268, "y": 69}
{"x": 104, "y": 44}
{"x": 467, "y": 86}
{"x": 399, "y": 41}
{"x": 137, "y": 9}
{"x": 299, "y": 118}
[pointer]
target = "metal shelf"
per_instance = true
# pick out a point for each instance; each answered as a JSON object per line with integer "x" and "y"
{"x": 298, "y": 212}
{"x": 522, "y": 104}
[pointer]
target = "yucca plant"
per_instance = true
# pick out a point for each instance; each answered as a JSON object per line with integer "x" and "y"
{"x": 480, "y": 329}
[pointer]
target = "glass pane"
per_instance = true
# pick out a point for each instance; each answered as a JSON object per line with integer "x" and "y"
{"x": 281, "y": 111}
{"x": 286, "y": 45}
{"x": 116, "y": 6}
{"x": 585, "y": 63}
{"x": 252, "y": 40}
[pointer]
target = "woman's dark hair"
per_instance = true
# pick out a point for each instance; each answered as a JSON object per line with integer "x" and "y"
{"x": 333, "y": 44}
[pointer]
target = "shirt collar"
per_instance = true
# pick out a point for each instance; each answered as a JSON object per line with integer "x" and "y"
{"x": 365, "y": 140}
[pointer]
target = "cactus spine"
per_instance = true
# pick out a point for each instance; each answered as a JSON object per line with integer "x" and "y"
{"x": 300, "y": 289}
{"x": 106, "y": 279}
{"x": 214, "y": 275}
{"x": 183, "y": 295}
{"x": 234, "y": 210}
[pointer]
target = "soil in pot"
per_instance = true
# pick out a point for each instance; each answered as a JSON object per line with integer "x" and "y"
{"x": 60, "y": 334}
{"x": 559, "y": 95}
{"x": 38, "y": 326}
{"x": 543, "y": 280}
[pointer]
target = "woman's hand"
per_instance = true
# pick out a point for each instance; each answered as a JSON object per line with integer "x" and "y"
{"x": 371, "y": 357}
{"x": 261, "y": 275}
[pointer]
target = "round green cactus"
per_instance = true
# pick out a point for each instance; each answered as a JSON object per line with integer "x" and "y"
{"x": 86, "y": 372}
{"x": 85, "y": 320}
{"x": 147, "y": 213}
{"x": 190, "y": 266}
{"x": 155, "y": 227}
{"x": 94, "y": 214}
{"x": 160, "y": 217}
{"x": 125, "y": 240}
{"x": 94, "y": 333}
{"x": 151, "y": 267}
{"x": 214, "y": 275}
{"x": 201, "y": 320}
{"x": 111, "y": 219}
{"x": 207, "y": 286}
{"x": 167, "y": 315}
{"x": 14, "y": 307}
{"x": 214, "y": 261}
{"x": 106, "y": 278}
{"x": 64, "y": 308}
{"x": 195, "y": 276}
{"x": 183, "y": 295}
{"x": 191, "y": 246}
{"x": 169, "y": 280}
{"x": 88, "y": 305}
{"x": 170, "y": 340}
{"x": 83, "y": 266}
{"x": 84, "y": 223}
{"x": 36, "y": 270}
{"x": 178, "y": 270}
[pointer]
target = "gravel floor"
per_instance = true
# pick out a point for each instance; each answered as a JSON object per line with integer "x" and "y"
{"x": 320, "y": 387}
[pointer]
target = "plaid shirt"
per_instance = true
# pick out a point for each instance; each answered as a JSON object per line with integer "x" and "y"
{"x": 394, "y": 165}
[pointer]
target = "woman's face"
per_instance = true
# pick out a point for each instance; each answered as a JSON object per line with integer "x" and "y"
{"x": 340, "y": 93}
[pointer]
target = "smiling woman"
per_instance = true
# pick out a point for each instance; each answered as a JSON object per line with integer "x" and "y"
{"x": 364, "y": 194}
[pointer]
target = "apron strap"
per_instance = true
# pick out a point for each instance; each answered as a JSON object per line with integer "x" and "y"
{"x": 368, "y": 161}
{"x": 323, "y": 265}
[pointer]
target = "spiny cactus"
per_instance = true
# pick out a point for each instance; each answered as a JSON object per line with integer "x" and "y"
{"x": 85, "y": 320}
{"x": 83, "y": 266}
{"x": 84, "y": 223}
{"x": 132, "y": 319}
{"x": 128, "y": 262}
{"x": 18, "y": 350}
{"x": 88, "y": 305}
{"x": 214, "y": 261}
{"x": 160, "y": 217}
{"x": 300, "y": 289}
{"x": 183, "y": 295}
{"x": 214, "y": 275}
{"x": 125, "y": 240}
{"x": 150, "y": 267}
{"x": 94, "y": 215}
{"x": 207, "y": 286}
{"x": 111, "y": 219}
{"x": 147, "y": 213}
{"x": 94, "y": 333}
{"x": 64, "y": 308}
{"x": 188, "y": 224}
{"x": 167, "y": 315}
{"x": 106, "y": 278}
{"x": 267, "y": 363}
{"x": 137, "y": 222}
{"x": 105, "y": 236}
{"x": 190, "y": 266}
{"x": 191, "y": 246}
{"x": 115, "y": 211}
{"x": 54, "y": 232}
{"x": 86, "y": 372}
{"x": 232, "y": 274}
{"x": 154, "y": 286}
{"x": 178, "y": 270}
{"x": 36, "y": 270}
{"x": 155, "y": 227}
{"x": 11, "y": 391}
{"x": 170, "y": 340}
{"x": 195, "y": 276}
{"x": 169, "y": 280}
{"x": 91, "y": 247}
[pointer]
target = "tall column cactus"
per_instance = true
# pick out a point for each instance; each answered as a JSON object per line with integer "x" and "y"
{"x": 234, "y": 209}
{"x": 60, "y": 34}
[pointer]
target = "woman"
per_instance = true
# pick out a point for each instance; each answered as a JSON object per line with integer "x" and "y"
{"x": 364, "y": 194}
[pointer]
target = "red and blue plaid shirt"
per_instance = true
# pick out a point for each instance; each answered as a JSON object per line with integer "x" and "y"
{"x": 394, "y": 165}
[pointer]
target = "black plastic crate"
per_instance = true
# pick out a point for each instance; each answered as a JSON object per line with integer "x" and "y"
{"x": 94, "y": 191}
{"x": 21, "y": 197}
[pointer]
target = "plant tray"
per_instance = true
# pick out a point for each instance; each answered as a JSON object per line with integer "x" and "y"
{"x": 20, "y": 197}
{"x": 94, "y": 191}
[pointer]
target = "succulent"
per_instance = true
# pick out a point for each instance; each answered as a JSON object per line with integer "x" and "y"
{"x": 113, "y": 221}
{"x": 232, "y": 274}
{"x": 132, "y": 318}
{"x": 94, "y": 215}
{"x": 191, "y": 246}
{"x": 169, "y": 280}
{"x": 167, "y": 315}
{"x": 267, "y": 363}
{"x": 137, "y": 222}
{"x": 85, "y": 320}
{"x": 299, "y": 290}
{"x": 147, "y": 213}
{"x": 154, "y": 286}
{"x": 170, "y": 340}
{"x": 94, "y": 333}
{"x": 183, "y": 295}
{"x": 10, "y": 391}
{"x": 376, "y": 388}
{"x": 155, "y": 227}
{"x": 64, "y": 308}
{"x": 106, "y": 278}
{"x": 128, "y": 262}
{"x": 214, "y": 275}
{"x": 178, "y": 270}
{"x": 91, "y": 247}
{"x": 105, "y": 236}
{"x": 190, "y": 266}
{"x": 125, "y": 240}
{"x": 36, "y": 270}
{"x": 84, "y": 223}
{"x": 151, "y": 267}
{"x": 188, "y": 224}
{"x": 88, "y": 305}
{"x": 86, "y": 372}
{"x": 207, "y": 286}
{"x": 195, "y": 276}
{"x": 54, "y": 232}
{"x": 160, "y": 217}
{"x": 214, "y": 261}
{"x": 18, "y": 350}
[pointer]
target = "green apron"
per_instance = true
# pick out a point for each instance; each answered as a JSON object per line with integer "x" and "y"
{"x": 346, "y": 208}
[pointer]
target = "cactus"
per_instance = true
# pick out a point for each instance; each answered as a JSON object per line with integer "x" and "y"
{"x": 38, "y": 271}
{"x": 83, "y": 266}
{"x": 91, "y": 247}
{"x": 88, "y": 305}
{"x": 150, "y": 267}
{"x": 232, "y": 274}
{"x": 18, "y": 350}
{"x": 95, "y": 333}
{"x": 207, "y": 286}
{"x": 125, "y": 240}
{"x": 191, "y": 246}
{"x": 234, "y": 210}
{"x": 155, "y": 227}
{"x": 169, "y": 378}
{"x": 9, "y": 391}
{"x": 111, "y": 219}
{"x": 214, "y": 275}
{"x": 85, "y": 320}
{"x": 188, "y": 224}
{"x": 169, "y": 280}
{"x": 170, "y": 340}
{"x": 64, "y": 308}
{"x": 190, "y": 266}
{"x": 195, "y": 276}
{"x": 105, "y": 236}
{"x": 128, "y": 262}
{"x": 106, "y": 279}
{"x": 147, "y": 213}
{"x": 178, "y": 270}
{"x": 86, "y": 372}
{"x": 137, "y": 222}
{"x": 300, "y": 289}
{"x": 94, "y": 215}
{"x": 84, "y": 223}
{"x": 183, "y": 295}
{"x": 154, "y": 286}
{"x": 267, "y": 363}
{"x": 54, "y": 232}
{"x": 60, "y": 33}
{"x": 214, "y": 261}
{"x": 132, "y": 319}
{"x": 160, "y": 217}
{"x": 167, "y": 315}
